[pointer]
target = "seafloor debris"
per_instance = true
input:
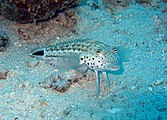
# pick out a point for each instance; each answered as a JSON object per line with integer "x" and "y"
{"x": 33, "y": 63}
{"x": 26, "y": 34}
{"x": 61, "y": 26}
{"x": 153, "y": 3}
{"x": 3, "y": 73}
{"x": 112, "y": 5}
{"x": 4, "y": 41}
{"x": 164, "y": 0}
{"x": 67, "y": 19}
{"x": 93, "y": 5}
{"x": 62, "y": 85}
{"x": 150, "y": 89}
{"x": 25, "y": 11}
{"x": 161, "y": 22}
{"x": 163, "y": 18}
{"x": 161, "y": 108}
{"x": 67, "y": 111}
{"x": 158, "y": 82}
{"x": 62, "y": 82}
{"x": 164, "y": 10}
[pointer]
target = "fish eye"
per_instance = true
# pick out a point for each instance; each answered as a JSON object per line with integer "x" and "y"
{"x": 115, "y": 49}
{"x": 98, "y": 51}
{"x": 38, "y": 53}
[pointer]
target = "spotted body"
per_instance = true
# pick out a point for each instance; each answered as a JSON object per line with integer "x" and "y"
{"x": 94, "y": 55}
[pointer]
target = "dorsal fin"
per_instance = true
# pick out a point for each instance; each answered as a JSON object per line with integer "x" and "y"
{"x": 55, "y": 42}
{"x": 73, "y": 41}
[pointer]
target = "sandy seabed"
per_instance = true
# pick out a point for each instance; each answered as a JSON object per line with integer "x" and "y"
{"x": 138, "y": 93}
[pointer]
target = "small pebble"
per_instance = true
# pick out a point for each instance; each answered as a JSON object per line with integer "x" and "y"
{"x": 159, "y": 39}
{"x": 150, "y": 89}
{"x": 62, "y": 85}
{"x": 3, "y": 73}
{"x": 67, "y": 111}
{"x": 33, "y": 63}
{"x": 133, "y": 87}
{"x": 43, "y": 104}
{"x": 58, "y": 38}
{"x": 113, "y": 110}
{"x": 158, "y": 82}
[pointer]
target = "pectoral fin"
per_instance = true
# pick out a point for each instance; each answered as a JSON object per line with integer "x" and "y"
{"x": 82, "y": 69}
{"x": 65, "y": 62}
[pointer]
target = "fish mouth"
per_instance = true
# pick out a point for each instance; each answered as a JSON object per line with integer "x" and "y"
{"x": 33, "y": 56}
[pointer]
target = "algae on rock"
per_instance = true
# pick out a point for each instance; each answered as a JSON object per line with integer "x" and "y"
{"x": 116, "y": 4}
{"x": 25, "y": 11}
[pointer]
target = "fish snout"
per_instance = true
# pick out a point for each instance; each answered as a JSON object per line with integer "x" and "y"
{"x": 37, "y": 54}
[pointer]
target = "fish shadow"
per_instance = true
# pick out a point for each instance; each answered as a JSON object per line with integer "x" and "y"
{"x": 118, "y": 72}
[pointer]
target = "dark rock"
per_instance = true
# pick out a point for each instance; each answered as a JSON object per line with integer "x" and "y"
{"x": 164, "y": 0}
{"x": 153, "y": 3}
{"x": 4, "y": 41}
{"x": 23, "y": 34}
{"x": 161, "y": 108}
{"x": 3, "y": 73}
{"x": 67, "y": 19}
{"x": 62, "y": 85}
{"x": 58, "y": 83}
{"x": 0, "y": 9}
{"x": 113, "y": 5}
{"x": 143, "y": 1}
{"x": 25, "y": 11}
{"x": 62, "y": 82}
{"x": 94, "y": 6}
{"x": 164, "y": 10}
{"x": 67, "y": 111}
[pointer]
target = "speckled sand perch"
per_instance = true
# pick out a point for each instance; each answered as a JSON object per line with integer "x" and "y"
{"x": 80, "y": 53}
{"x": 139, "y": 92}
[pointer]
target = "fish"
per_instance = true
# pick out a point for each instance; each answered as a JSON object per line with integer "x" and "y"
{"x": 95, "y": 55}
